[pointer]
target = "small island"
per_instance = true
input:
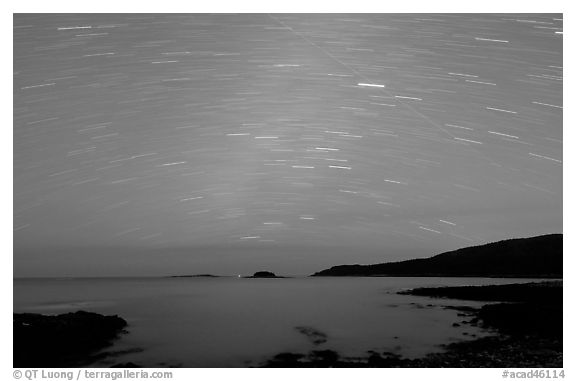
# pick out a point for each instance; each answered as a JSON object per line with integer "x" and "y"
{"x": 196, "y": 276}
{"x": 264, "y": 274}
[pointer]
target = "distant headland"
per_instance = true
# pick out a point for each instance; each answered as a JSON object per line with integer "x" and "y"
{"x": 534, "y": 257}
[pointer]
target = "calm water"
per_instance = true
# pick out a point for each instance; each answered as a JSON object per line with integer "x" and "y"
{"x": 229, "y": 322}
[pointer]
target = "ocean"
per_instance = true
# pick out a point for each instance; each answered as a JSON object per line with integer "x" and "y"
{"x": 240, "y": 322}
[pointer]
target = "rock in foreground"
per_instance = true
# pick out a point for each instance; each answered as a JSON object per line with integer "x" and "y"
{"x": 43, "y": 341}
{"x": 530, "y": 308}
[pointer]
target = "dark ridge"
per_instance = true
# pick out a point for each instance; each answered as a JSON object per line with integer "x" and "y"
{"x": 535, "y": 257}
{"x": 66, "y": 340}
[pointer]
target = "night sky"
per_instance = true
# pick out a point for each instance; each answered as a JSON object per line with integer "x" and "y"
{"x": 151, "y": 144}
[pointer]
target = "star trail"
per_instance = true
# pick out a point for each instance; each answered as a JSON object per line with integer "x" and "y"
{"x": 298, "y": 140}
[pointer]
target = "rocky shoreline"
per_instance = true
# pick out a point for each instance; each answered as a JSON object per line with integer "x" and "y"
{"x": 528, "y": 327}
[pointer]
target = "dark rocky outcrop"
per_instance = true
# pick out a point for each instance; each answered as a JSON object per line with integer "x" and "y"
{"x": 71, "y": 339}
{"x": 535, "y": 257}
{"x": 126, "y": 365}
{"x": 315, "y": 336}
{"x": 534, "y": 292}
{"x": 264, "y": 274}
{"x": 530, "y": 308}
